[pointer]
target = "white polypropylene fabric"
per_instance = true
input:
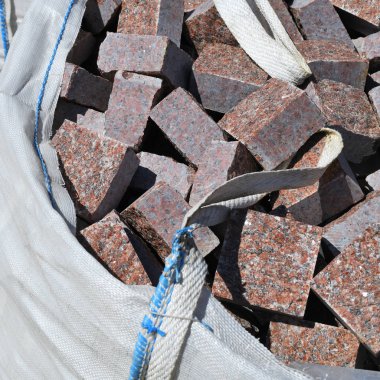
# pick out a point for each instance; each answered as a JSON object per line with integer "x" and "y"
{"x": 260, "y": 33}
{"x": 62, "y": 315}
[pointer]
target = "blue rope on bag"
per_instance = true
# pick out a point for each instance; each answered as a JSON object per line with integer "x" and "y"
{"x": 41, "y": 97}
{"x": 159, "y": 303}
{"x": 3, "y": 28}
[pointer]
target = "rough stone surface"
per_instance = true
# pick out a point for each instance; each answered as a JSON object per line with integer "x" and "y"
{"x": 99, "y": 13}
{"x": 83, "y": 47}
{"x": 286, "y": 19}
{"x": 190, "y": 5}
{"x": 336, "y": 191}
{"x": 374, "y": 96}
{"x": 154, "y": 169}
{"x": 374, "y": 180}
{"x": 205, "y": 26}
{"x": 221, "y": 162}
{"x": 158, "y": 214}
{"x": 81, "y": 87}
{"x": 273, "y": 122}
{"x": 364, "y": 14}
{"x": 335, "y": 61}
{"x": 318, "y": 20}
{"x": 185, "y": 123}
{"x": 132, "y": 97}
{"x": 322, "y": 344}
{"x": 268, "y": 262}
{"x": 376, "y": 77}
{"x": 340, "y": 233}
{"x": 122, "y": 251}
{"x": 153, "y": 17}
{"x": 84, "y": 116}
{"x": 350, "y": 285}
{"x": 348, "y": 110}
{"x": 225, "y": 75}
{"x": 369, "y": 47}
{"x": 98, "y": 170}
{"x": 151, "y": 55}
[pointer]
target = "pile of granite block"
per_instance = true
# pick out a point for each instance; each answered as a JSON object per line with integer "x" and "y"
{"x": 160, "y": 105}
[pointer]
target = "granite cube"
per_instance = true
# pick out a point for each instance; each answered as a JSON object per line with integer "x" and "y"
{"x": 190, "y": 5}
{"x": 154, "y": 168}
{"x": 340, "y": 233}
{"x": 132, "y": 97}
{"x": 99, "y": 13}
{"x": 83, "y": 47}
{"x": 81, "y": 87}
{"x": 150, "y": 55}
{"x": 348, "y": 110}
{"x": 318, "y": 20}
{"x": 158, "y": 214}
{"x": 369, "y": 47}
{"x": 336, "y": 191}
{"x": 322, "y": 344}
{"x": 204, "y": 26}
{"x": 374, "y": 96}
{"x": 373, "y": 180}
{"x": 122, "y": 252}
{"x": 97, "y": 169}
{"x": 267, "y": 262}
{"x": 221, "y": 162}
{"x": 334, "y": 61}
{"x": 273, "y": 122}
{"x": 376, "y": 78}
{"x": 185, "y": 123}
{"x": 225, "y": 75}
{"x": 154, "y": 17}
{"x": 350, "y": 284}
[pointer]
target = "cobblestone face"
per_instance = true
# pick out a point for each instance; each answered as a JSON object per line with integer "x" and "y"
{"x": 349, "y": 286}
{"x": 98, "y": 170}
{"x": 369, "y": 47}
{"x": 268, "y": 262}
{"x": 99, "y": 13}
{"x": 273, "y": 122}
{"x": 122, "y": 251}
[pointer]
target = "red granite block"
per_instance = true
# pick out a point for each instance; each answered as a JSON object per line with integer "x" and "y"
{"x": 348, "y": 110}
{"x": 318, "y": 20}
{"x": 122, "y": 251}
{"x": 205, "y": 26}
{"x": 374, "y": 96}
{"x": 190, "y": 5}
{"x": 363, "y": 15}
{"x": 286, "y": 19}
{"x": 99, "y": 13}
{"x": 132, "y": 97}
{"x": 369, "y": 47}
{"x": 81, "y": 87}
{"x": 158, "y": 214}
{"x": 374, "y": 180}
{"x": 225, "y": 75}
{"x": 84, "y": 116}
{"x": 273, "y": 122}
{"x": 340, "y": 233}
{"x": 268, "y": 262}
{"x": 97, "y": 170}
{"x": 83, "y": 47}
{"x": 336, "y": 191}
{"x": 334, "y": 61}
{"x": 151, "y": 55}
{"x": 221, "y": 162}
{"x": 185, "y": 123}
{"x": 322, "y": 344}
{"x": 154, "y": 17}
{"x": 350, "y": 286}
{"x": 154, "y": 168}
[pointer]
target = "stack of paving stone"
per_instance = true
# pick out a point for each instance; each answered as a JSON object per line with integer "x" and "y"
{"x": 160, "y": 105}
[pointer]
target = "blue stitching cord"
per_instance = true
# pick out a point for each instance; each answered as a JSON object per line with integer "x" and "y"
{"x": 41, "y": 97}
{"x": 160, "y": 300}
{"x": 3, "y": 28}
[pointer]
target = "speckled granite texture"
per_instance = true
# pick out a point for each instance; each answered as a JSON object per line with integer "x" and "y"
{"x": 267, "y": 261}
{"x": 99, "y": 13}
{"x": 350, "y": 286}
